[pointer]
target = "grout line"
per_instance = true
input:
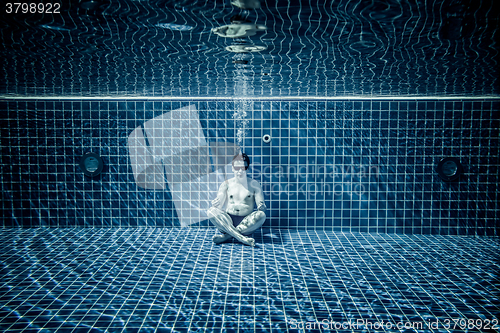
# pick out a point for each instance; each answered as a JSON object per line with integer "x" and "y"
{"x": 302, "y": 98}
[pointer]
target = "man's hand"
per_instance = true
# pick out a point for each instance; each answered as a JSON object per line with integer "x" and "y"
{"x": 220, "y": 199}
{"x": 262, "y": 207}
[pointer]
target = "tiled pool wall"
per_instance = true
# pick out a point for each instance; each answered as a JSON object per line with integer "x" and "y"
{"x": 346, "y": 165}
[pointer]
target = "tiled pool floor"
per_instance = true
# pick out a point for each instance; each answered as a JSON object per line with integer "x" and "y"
{"x": 164, "y": 279}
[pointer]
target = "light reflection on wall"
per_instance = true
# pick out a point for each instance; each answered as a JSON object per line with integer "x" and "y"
{"x": 174, "y": 145}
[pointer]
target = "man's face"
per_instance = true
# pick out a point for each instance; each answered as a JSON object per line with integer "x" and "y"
{"x": 239, "y": 169}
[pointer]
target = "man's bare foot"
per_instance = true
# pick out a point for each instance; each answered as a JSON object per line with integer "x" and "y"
{"x": 249, "y": 241}
{"x": 220, "y": 238}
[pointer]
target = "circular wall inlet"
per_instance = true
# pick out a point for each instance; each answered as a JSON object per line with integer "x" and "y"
{"x": 91, "y": 164}
{"x": 449, "y": 168}
{"x": 266, "y": 138}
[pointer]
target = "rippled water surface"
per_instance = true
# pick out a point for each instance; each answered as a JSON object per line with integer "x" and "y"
{"x": 308, "y": 48}
{"x": 110, "y": 279}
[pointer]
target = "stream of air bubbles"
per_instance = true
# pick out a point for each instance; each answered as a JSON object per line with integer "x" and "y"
{"x": 242, "y": 106}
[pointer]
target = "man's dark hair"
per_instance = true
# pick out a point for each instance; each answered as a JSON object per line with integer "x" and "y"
{"x": 244, "y": 157}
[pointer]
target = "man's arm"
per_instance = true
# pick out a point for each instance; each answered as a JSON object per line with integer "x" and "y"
{"x": 259, "y": 197}
{"x": 219, "y": 201}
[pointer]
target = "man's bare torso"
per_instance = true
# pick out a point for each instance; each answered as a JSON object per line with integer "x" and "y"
{"x": 240, "y": 200}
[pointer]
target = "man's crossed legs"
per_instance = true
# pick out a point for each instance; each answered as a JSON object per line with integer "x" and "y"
{"x": 247, "y": 226}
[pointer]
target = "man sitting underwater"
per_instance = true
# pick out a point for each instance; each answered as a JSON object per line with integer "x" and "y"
{"x": 242, "y": 194}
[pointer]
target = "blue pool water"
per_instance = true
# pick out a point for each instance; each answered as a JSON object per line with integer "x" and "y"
{"x": 350, "y": 165}
{"x": 311, "y": 48}
{"x": 176, "y": 279}
{"x": 346, "y": 109}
